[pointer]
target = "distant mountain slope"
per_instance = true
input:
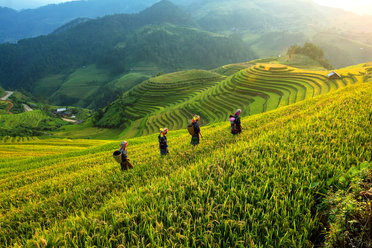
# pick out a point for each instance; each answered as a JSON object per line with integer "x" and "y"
{"x": 268, "y": 26}
{"x": 15, "y": 25}
{"x": 271, "y": 26}
{"x": 162, "y": 36}
{"x": 259, "y": 88}
{"x": 271, "y": 15}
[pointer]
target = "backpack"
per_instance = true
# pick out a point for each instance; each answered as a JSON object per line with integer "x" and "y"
{"x": 191, "y": 129}
{"x": 232, "y": 119}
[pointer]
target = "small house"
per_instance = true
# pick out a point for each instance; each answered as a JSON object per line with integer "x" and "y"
{"x": 334, "y": 75}
{"x": 61, "y": 110}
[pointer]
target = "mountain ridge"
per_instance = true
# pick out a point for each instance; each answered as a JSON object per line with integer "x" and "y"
{"x": 43, "y": 20}
{"x": 162, "y": 37}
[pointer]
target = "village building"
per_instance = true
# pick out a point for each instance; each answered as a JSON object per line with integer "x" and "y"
{"x": 61, "y": 110}
{"x": 64, "y": 112}
{"x": 334, "y": 75}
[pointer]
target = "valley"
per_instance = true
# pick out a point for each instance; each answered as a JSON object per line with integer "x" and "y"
{"x": 132, "y": 75}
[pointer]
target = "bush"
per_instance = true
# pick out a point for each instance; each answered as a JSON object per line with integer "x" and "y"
{"x": 349, "y": 212}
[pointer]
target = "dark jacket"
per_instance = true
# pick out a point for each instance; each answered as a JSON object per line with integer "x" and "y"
{"x": 196, "y": 128}
{"x": 162, "y": 142}
{"x": 236, "y": 126}
{"x": 237, "y": 119}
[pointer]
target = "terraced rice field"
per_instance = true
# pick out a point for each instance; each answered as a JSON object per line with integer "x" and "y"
{"x": 22, "y": 148}
{"x": 29, "y": 119}
{"x": 159, "y": 95}
{"x": 256, "y": 89}
{"x": 259, "y": 189}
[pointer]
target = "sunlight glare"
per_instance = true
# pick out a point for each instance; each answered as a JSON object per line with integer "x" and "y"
{"x": 354, "y": 5}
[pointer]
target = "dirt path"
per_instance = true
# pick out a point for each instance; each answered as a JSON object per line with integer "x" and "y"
{"x": 5, "y": 98}
{"x": 27, "y": 108}
{"x": 8, "y": 94}
{"x": 72, "y": 121}
{"x": 9, "y": 107}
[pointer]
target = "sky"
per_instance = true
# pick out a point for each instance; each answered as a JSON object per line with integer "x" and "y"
{"x": 359, "y": 6}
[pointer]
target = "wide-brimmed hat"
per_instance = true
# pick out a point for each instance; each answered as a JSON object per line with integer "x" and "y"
{"x": 196, "y": 118}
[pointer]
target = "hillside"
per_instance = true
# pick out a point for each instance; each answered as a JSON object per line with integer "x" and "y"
{"x": 258, "y": 88}
{"x": 16, "y": 25}
{"x": 270, "y": 27}
{"x": 165, "y": 38}
{"x": 23, "y": 115}
{"x": 263, "y": 188}
{"x": 156, "y": 95}
{"x": 32, "y": 123}
{"x": 69, "y": 69}
{"x": 2, "y": 92}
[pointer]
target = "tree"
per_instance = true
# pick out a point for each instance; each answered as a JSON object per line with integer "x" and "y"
{"x": 312, "y": 51}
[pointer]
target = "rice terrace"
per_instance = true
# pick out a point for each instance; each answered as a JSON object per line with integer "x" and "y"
{"x": 180, "y": 125}
{"x": 264, "y": 188}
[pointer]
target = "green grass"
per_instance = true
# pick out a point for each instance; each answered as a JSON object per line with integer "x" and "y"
{"x": 258, "y": 189}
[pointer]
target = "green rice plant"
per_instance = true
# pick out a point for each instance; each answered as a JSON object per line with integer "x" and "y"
{"x": 255, "y": 89}
{"x": 257, "y": 189}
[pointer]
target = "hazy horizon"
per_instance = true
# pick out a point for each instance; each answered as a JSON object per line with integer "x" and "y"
{"x": 358, "y": 6}
{"x": 29, "y": 4}
{"x": 362, "y": 7}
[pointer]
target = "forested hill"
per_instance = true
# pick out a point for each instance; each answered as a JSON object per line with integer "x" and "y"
{"x": 162, "y": 36}
{"x": 268, "y": 26}
{"x": 271, "y": 26}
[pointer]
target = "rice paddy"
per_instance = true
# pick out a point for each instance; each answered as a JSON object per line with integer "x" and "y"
{"x": 254, "y": 89}
{"x": 258, "y": 189}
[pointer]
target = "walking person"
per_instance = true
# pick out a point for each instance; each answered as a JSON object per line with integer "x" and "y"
{"x": 195, "y": 137}
{"x": 125, "y": 164}
{"x": 163, "y": 142}
{"x": 236, "y": 125}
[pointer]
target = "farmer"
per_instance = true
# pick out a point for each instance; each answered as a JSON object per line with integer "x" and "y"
{"x": 195, "y": 136}
{"x": 125, "y": 164}
{"x": 236, "y": 125}
{"x": 163, "y": 141}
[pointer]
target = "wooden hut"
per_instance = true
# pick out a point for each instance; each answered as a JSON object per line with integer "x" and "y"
{"x": 334, "y": 75}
